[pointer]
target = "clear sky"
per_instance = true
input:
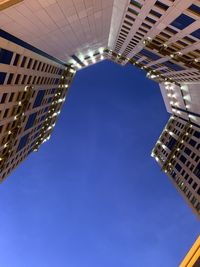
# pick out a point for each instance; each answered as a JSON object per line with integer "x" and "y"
{"x": 92, "y": 196}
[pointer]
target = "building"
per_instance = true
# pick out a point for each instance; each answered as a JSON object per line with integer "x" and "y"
{"x": 33, "y": 89}
{"x": 177, "y": 153}
{"x": 43, "y": 43}
{"x": 192, "y": 259}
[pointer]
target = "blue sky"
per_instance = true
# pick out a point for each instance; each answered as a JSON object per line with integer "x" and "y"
{"x": 92, "y": 196}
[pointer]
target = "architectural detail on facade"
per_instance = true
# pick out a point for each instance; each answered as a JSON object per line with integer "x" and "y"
{"x": 43, "y": 43}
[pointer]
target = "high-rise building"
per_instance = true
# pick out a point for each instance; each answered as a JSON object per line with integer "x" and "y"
{"x": 43, "y": 43}
{"x": 33, "y": 89}
{"x": 192, "y": 259}
{"x": 177, "y": 152}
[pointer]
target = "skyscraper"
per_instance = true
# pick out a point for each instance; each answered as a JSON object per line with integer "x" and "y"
{"x": 43, "y": 43}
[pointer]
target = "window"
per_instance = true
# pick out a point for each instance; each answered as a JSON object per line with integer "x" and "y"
{"x": 149, "y": 54}
{"x": 190, "y": 181}
{"x": 178, "y": 167}
{"x": 187, "y": 151}
{"x": 195, "y": 9}
{"x": 196, "y": 34}
{"x": 2, "y": 77}
{"x": 197, "y": 171}
{"x": 171, "y": 143}
{"x": 56, "y": 81}
{"x": 182, "y": 22}
{"x": 11, "y": 97}
{"x": 10, "y": 78}
{"x": 39, "y": 98}
{"x": 23, "y": 62}
{"x": 155, "y": 13}
{"x": 3, "y": 99}
{"x": 29, "y": 63}
{"x": 17, "y": 79}
{"x": 182, "y": 159}
{"x": 173, "y": 66}
{"x": 6, "y": 113}
{"x": 23, "y": 142}
{"x": 30, "y": 121}
{"x": 198, "y": 192}
{"x": 194, "y": 185}
{"x": 16, "y": 60}
{"x": 135, "y": 3}
{"x": 161, "y": 5}
{"x": 192, "y": 142}
{"x": 5, "y": 56}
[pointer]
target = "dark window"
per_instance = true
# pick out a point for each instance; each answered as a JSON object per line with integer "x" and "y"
{"x": 192, "y": 142}
{"x": 187, "y": 151}
{"x": 161, "y": 5}
{"x": 149, "y": 54}
{"x": 40, "y": 126}
{"x": 30, "y": 121}
{"x": 5, "y": 56}
{"x": 34, "y": 65}
{"x": 23, "y": 62}
{"x": 194, "y": 186}
{"x": 56, "y": 81}
{"x": 155, "y": 13}
{"x": 190, "y": 181}
{"x": 53, "y": 91}
{"x": 6, "y": 113}
{"x": 46, "y": 109}
{"x": 183, "y": 159}
{"x": 132, "y": 11}
{"x": 171, "y": 143}
{"x": 10, "y": 78}
{"x": 3, "y": 99}
{"x": 197, "y": 134}
{"x": 24, "y": 79}
{"x": 39, "y": 98}
{"x": 178, "y": 167}
{"x": 29, "y": 63}
{"x": 197, "y": 171}
{"x": 17, "y": 79}
{"x": 195, "y": 9}
{"x": 135, "y": 3}
{"x": 16, "y": 60}
{"x": 43, "y": 117}
{"x": 23, "y": 142}
{"x": 182, "y": 22}
{"x": 198, "y": 192}
{"x": 196, "y": 34}
{"x": 130, "y": 18}
{"x": 173, "y": 66}
{"x": 11, "y": 97}
{"x": 2, "y": 77}
{"x": 150, "y": 20}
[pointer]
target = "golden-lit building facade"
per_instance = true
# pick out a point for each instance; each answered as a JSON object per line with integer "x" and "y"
{"x": 192, "y": 259}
